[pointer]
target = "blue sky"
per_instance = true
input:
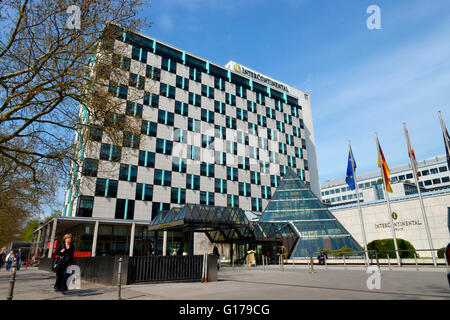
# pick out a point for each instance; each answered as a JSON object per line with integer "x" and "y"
{"x": 361, "y": 81}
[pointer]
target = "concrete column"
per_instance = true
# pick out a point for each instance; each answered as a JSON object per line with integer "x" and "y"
{"x": 133, "y": 229}
{"x": 94, "y": 239}
{"x": 38, "y": 243}
{"x": 47, "y": 236}
{"x": 164, "y": 243}
{"x": 52, "y": 239}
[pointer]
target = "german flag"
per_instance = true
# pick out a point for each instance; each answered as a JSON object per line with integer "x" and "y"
{"x": 384, "y": 167}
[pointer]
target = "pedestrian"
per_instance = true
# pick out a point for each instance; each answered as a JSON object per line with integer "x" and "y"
{"x": 19, "y": 258}
{"x": 216, "y": 253}
{"x": 10, "y": 259}
{"x": 2, "y": 258}
{"x": 322, "y": 257}
{"x": 65, "y": 253}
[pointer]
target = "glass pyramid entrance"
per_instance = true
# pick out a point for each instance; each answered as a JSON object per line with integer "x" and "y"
{"x": 318, "y": 229}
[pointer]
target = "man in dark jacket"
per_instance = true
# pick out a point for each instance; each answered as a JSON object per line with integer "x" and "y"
{"x": 322, "y": 257}
{"x": 216, "y": 253}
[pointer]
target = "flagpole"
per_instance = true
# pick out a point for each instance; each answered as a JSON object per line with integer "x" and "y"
{"x": 388, "y": 205}
{"x": 443, "y": 131}
{"x": 422, "y": 207}
{"x": 366, "y": 254}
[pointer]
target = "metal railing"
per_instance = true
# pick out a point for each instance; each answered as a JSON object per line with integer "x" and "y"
{"x": 165, "y": 268}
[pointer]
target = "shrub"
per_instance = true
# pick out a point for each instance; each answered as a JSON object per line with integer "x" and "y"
{"x": 388, "y": 244}
{"x": 344, "y": 251}
{"x": 441, "y": 252}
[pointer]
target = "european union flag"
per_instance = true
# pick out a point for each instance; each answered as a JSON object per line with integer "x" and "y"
{"x": 350, "y": 177}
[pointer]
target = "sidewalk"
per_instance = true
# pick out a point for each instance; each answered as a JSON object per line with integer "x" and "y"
{"x": 242, "y": 284}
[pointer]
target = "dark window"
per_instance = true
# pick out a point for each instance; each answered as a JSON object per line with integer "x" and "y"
{"x": 192, "y": 182}
{"x": 149, "y": 128}
{"x": 232, "y": 201}
{"x": 442, "y": 169}
{"x": 195, "y": 74}
{"x": 139, "y": 54}
{"x": 194, "y": 125}
{"x": 182, "y": 83}
{"x": 124, "y": 209}
{"x": 219, "y": 83}
{"x": 121, "y": 62}
{"x": 164, "y": 146}
{"x": 231, "y": 122}
{"x": 220, "y": 158}
{"x": 256, "y": 204}
{"x": 244, "y": 189}
{"x": 207, "y": 91}
{"x": 165, "y": 117}
{"x": 262, "y": 121}
{"x": 153, "y": 73}
{"x": 409, "y": 176}
{"x": 166, "y": 91}
{"x": 195, "y": 99}
{"x": 110, "y": 152}
{"x": 128, "y": 172}
{"x": 136, "y": 81}
{"x": 436, "y": 181}
{"x": 106, "y": 188}
{"x": 85, "y": 206}
{"x": 178, "y": 196}
{"x": 219, "y": 107}
{"x": 90, "y": 167}
{"x": 134, "y": 109}
{"x": 95, "y": 133}
{"x": 241, "y": 114}
{"x": 241, "y": 91}
{"x": 428, "y": 183}
{"x": 255, "y": 177}
{"x": 220, "y": 186}
{"x": 207, "y": 116}
{"x": 207, "y": 169}
{"x": 243, "y": 163}
{"x": 162, "y": 177}
{"x": 178, "y": 165}
{"x": 144, "y": 192}
{"x": 445, "y": 179}
{"x": 130, "y": 140}
{"x": 232, "y": 174}
{"x": 251, "y": 106}
{"x": 230, "y": 99}
{"x": 147, "y": 159}
{"x": 151, "y": 99}
{"x": 266, "y": 192}
{"x": 207, "y": 198}
{"x": 270, "y": 113}
{"x": 169, "y": 65}
{"x": 181, "y": 108}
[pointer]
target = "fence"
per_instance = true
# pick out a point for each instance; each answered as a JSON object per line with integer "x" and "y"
{"x": 168, "y": 268}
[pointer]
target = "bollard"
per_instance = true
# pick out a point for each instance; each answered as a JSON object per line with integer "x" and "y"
{"x": 246, "y": 262}
{"x": 311, "y": 264}
{"x": 12, "y": 282}
{"x": 264, "y": 266}
{"x": 119, "y": 280}
{"x": 415, "y": 259}
{"x": 389, "y": 261}
{"x": 376, "y": 257}
{"x": 282, "y": 263}
{"x": 232, "y": 261}
{"x": 326, "y": 264}
{"x": 345, "y": 265}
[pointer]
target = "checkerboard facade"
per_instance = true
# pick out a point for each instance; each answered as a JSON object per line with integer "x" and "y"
{"x": 208, "y": 135}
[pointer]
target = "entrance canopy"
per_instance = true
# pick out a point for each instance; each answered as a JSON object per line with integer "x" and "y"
{"x": 221, "y": 224}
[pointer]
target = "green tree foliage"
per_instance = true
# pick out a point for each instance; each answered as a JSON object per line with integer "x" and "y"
{"x": 386, "y": 246}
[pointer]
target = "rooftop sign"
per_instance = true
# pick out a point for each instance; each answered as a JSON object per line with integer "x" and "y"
{"x": 255, "y": 75}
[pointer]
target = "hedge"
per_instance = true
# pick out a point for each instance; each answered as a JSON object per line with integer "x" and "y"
{"x": 388, "y": 244}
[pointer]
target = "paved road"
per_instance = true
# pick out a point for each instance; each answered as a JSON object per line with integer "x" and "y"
{"x": 255, "y": 284}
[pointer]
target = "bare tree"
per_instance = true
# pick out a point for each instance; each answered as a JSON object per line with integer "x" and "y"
{"x": 52, "y": 61}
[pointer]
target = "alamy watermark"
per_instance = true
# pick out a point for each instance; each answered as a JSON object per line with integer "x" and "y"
{"x": 374, "y": 280}
{"x": 74, "y": 20}
{"x": 74, "y": 280}
{"x": 374, "y": 20}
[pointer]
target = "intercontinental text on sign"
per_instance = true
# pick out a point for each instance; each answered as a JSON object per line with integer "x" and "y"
{"x": 257, "y": 76}
{"x": 398, "y": 224}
